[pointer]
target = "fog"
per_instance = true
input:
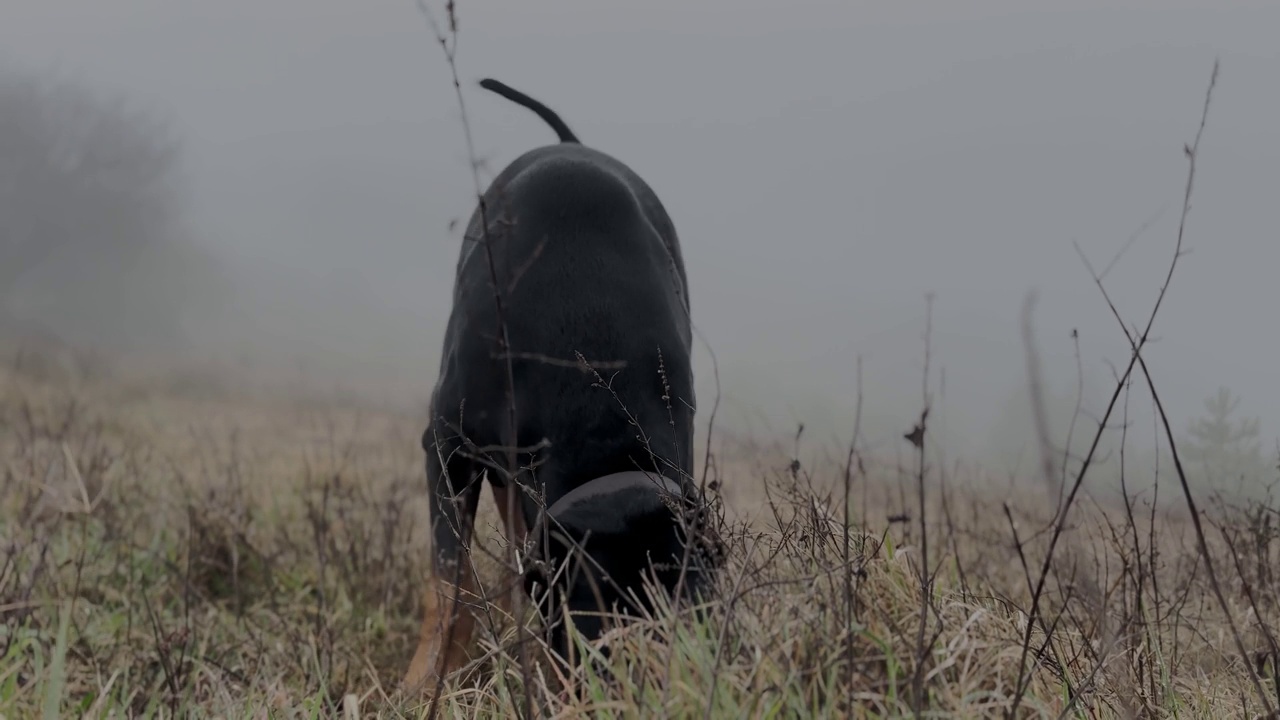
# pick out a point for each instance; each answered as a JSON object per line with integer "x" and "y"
{"x": 827, "y": 166}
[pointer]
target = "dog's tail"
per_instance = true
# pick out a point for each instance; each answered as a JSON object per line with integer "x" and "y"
{"x": 547, "y": 114}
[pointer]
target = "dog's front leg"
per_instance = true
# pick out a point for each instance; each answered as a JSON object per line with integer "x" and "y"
{"x": 448, "y": 619}
{"x": 507, "y": 498}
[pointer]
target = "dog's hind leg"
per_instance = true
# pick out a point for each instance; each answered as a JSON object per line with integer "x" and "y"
{"x": 448, "y": 620}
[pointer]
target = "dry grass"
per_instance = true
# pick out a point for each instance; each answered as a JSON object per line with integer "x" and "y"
{"x": 168, "y": 556}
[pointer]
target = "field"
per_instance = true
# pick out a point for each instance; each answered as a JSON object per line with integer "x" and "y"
{"x": 173, "y": 544}
{"x": 172, "y": 549}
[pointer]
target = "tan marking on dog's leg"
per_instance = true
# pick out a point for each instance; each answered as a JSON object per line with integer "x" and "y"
{"x": 445, "y": 609}
{"x": 508, "y": 503}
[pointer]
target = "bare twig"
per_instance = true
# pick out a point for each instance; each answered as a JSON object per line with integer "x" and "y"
{"x": 449, "y": 44}
{"x": 1192, "y": 152}
{"x": 926, "y": 594}
{"x": 1135, "y": 358}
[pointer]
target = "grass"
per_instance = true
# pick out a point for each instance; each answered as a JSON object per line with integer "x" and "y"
{"x": 166, "y": 555}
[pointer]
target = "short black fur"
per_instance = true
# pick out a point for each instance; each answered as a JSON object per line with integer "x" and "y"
{"x": 587, "y": 262}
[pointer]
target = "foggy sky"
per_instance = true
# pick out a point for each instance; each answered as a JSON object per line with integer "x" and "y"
{"x": 826, "y": 165}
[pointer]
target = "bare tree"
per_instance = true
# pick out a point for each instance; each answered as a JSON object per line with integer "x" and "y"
{"x": 89, "y": 213}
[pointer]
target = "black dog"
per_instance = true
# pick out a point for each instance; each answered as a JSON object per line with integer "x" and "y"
{"x": 568, "y": 350}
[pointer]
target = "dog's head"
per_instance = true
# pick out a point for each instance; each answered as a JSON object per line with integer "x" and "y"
{"x": 595, "y": 548}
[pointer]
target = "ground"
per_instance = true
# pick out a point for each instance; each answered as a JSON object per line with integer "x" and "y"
{"x": 179, "y": 549}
